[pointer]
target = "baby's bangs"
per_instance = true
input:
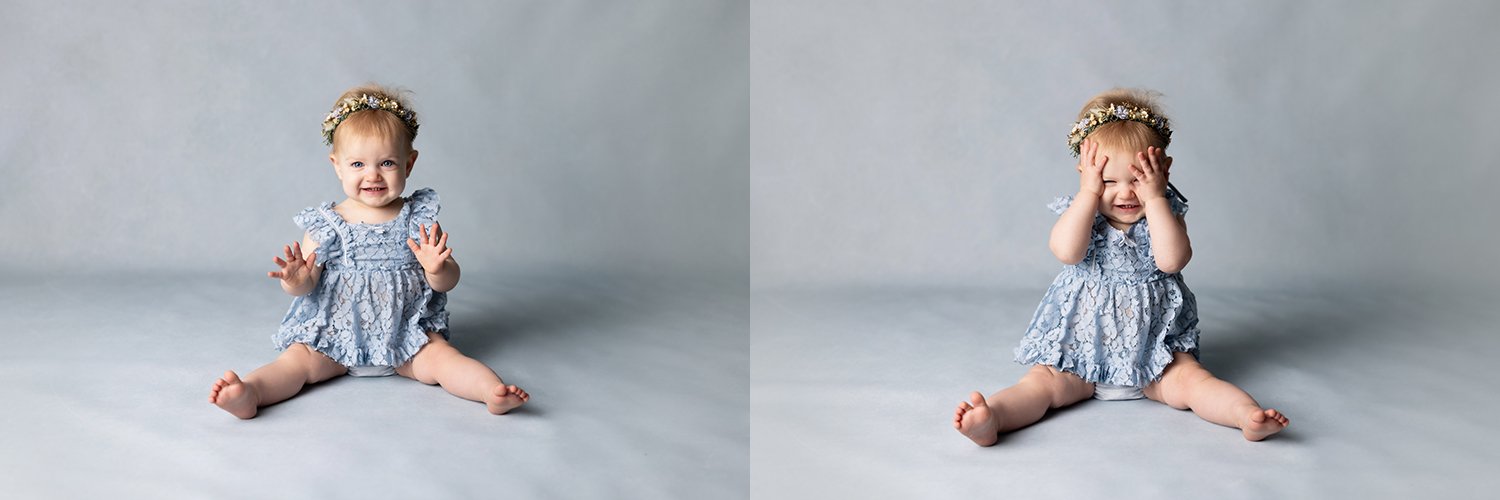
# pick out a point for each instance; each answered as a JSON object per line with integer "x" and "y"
{"x": 374, "y": 123}
{"x": 1130, "y": 135}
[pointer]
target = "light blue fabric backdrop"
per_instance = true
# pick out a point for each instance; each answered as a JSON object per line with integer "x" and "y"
{"x": 1322, "y": 144}
{"x": 594, "y": 136}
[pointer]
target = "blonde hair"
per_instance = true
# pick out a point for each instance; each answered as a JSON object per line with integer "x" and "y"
{"x": 1126, "y": 133}
{"x": 377, "y": 122}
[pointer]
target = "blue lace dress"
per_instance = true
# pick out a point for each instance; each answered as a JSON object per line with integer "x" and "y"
{"x": 1113, "y": 318}
{"x": 372, "y": 306}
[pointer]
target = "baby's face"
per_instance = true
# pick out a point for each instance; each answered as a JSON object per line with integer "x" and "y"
{"x": 372, "y": 170}
{"x": 1119, "y": 203}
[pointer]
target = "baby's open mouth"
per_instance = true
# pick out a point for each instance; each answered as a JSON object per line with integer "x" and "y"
{"x": 380, "y": 189}
{"x": 1127, "y": 207}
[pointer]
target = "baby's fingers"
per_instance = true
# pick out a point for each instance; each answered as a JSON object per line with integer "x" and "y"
{"x": 312, "y": 259}
{"x": 275, "y": 274}
{"x": 413, "y": 245}
{"x": 443, "y": 242}
{"x": 425, "y": 239}
{"x": 279, "y": 263}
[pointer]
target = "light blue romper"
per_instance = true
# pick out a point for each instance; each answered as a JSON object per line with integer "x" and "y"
{"x": 1113, "y": 319}
{"x": 372, "y": 308}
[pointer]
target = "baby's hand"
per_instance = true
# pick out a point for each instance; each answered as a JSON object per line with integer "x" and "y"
{"x": 1091, "y": 169}
{"x": 432, "y": 252}
{"x": 1152, "y": 174}
{"x": 295, "y": 271}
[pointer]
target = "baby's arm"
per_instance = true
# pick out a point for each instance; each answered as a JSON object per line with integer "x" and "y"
{"x": 1073, "y": 231}
{"x": 1169, "y": 239}
{"x": 447, "y": 278}
{"x": 436, "y": 258}
{"x": 299, "y": 273}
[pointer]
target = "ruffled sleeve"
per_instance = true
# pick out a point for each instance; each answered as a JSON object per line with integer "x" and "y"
{"x": 320, "y": 229}
{"x": 424, "y": 205}
{"x": 1060, "y": 205}
{"x": 1178, "y": 206}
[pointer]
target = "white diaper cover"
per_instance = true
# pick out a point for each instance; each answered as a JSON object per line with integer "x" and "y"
{"x": 1111, "y": 392}
{"x": 381, "y": 371}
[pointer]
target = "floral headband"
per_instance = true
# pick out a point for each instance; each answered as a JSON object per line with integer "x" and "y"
{"x": 351, "y": 105}
{"x": 1117, "y": 112}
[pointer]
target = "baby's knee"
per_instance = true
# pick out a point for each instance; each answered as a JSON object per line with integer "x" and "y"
{"x": 309, "y": 360}
{"x": 299, "y": 353}
{"x": 437, "y": 348}
{"x": 1178, "y": 382}
{"x": 1062, "y": 388}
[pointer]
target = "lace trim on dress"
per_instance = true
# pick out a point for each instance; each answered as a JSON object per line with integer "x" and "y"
{"x": 373, "y": 305}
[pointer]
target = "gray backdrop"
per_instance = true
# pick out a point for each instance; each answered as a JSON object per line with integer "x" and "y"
{"x": 595, "y": 136}
{"x": 1319, "y": 142}
{"x": 1339, "y": 162}
{"x": 152, "y": 155}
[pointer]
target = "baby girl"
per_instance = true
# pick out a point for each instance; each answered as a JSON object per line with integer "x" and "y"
{"x": 369, "y": 277}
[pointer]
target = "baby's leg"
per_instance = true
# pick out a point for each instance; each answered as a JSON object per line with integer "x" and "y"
{"x": 439, "y": 363}
{"x": 274, "y": 382}
{"x": 1186, "y": 385}
{"x": 1020, "y": 405}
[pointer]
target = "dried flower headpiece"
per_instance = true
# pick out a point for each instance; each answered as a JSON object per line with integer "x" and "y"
{"x": 350, "y": 105}
{"x": 1114, "y": 113}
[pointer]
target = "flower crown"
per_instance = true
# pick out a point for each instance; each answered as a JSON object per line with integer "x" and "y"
{"x": 351, "y": 105}
{"x": 1114, "y": 113}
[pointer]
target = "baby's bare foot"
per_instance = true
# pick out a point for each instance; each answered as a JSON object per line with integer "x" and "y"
{"x": 505, "y": 398}
{"x": 1260, "y": 424}
{"x": 974, "y": 419}
{"x": 234, "y": 396}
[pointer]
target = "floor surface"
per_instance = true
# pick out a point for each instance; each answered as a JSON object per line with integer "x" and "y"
{"x": 1390, "y": 396}
{"x": 638, "y": 391}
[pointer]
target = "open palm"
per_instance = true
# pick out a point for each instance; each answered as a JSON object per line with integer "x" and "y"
{"x": 294, "y": 271}
{"x": 432, "y": 251}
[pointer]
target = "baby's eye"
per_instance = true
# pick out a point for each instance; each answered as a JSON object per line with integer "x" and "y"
{"x": 1109, "y": 182}
{"x": 388, "y": 164}
{"x": 357, "y": 164}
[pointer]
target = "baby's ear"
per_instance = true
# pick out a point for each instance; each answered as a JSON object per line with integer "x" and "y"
{"x": 1166, "y": 162}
